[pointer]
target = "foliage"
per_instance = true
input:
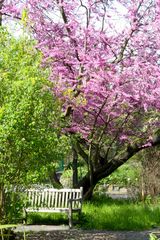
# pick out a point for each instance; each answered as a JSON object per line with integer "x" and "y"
{"x": 152, "y": 236}
{"x": 140, "y": 175}
{"x": 66, "y": 178}
{"x": 127, "y": 176}
{"x": 28, "y": 133}
{"x": 113, "y": 67}
{"x": 14, "y": 203}
{"x": 149, "y": 178}
{"x": 124, "y": 176}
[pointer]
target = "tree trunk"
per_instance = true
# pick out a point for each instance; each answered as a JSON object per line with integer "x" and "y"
{"x": 1, "y": 5}
{"x": 106, "y": 167}
{"x": 98, "y": 175}
{"x": 75, "y": 168}
{"x": 87, "y": 187}
{"x": 0, "y": 19}
{"x": 2, "y": 203}
{"x": 105, "y": 170}
{"x": 55, "y": 179}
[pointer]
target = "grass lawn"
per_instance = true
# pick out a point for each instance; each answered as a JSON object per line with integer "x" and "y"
{"x": 107, "y": 214}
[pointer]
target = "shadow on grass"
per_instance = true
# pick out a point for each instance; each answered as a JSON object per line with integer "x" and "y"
{"x": 47, "y": 218}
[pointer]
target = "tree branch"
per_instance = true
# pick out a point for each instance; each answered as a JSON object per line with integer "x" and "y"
{"x": 82, "y": 152}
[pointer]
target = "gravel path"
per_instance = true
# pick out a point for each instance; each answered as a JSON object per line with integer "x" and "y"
{"x": 60, "y": 233}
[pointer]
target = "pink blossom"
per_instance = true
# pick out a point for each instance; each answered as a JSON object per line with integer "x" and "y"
{"x": 110, "y": 78}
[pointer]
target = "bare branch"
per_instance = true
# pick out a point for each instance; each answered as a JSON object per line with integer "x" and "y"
{"x": 87, "y": 13}
{"x": 64, "y": 17}
{"x": 116, "y": 135}
{"x": 126, "y": 41}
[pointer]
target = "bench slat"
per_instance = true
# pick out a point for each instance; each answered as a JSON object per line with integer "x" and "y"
{"x": 56, "y": 199}
{"x": 42, "y": 199}
{"x": 53, "y": 199}
{"x": 63, "y": 199}
{"x": 49, "y": 198}
{"x": 66, "y": 200}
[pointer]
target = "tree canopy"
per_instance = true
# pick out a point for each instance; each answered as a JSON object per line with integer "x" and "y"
{"x": 106, "y": 76}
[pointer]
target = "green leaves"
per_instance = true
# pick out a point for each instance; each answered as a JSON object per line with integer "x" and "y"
{"x": 29, "y": 114}
{"x": 152, "y": 236}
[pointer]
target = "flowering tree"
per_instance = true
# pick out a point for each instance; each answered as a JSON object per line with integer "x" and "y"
{"x": 104, "y": 57}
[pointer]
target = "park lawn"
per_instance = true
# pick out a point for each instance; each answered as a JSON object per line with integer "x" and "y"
{"x": 107, "y": 214}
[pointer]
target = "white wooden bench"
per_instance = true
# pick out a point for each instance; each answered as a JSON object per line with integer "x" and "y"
{"x": 55, "y": 200}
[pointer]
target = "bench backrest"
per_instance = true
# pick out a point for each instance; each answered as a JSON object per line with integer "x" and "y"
{"x": 54, "y": 198}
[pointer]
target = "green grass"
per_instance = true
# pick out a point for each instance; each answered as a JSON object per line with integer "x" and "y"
{"x": 47, "y": 218}
{"x": 108, "y": 214}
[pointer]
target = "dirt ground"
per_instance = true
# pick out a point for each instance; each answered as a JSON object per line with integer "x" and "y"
{"x": 48, "y": 233}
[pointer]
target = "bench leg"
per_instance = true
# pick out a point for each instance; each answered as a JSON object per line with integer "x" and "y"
{"x": 2, "y": 237}
{"x": 24, "y": 216}
{"x": 79, "y": 215}
{"x": 70, "y": 218}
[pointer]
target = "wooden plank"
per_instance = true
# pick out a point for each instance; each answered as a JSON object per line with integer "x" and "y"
{"x": 53, "y": 199}
{"x": 76, "y": 202}
{"x": 66, "y": 199}
{"x": 59, "y": 199}
{"x": 39, "y": 199}
{"x": 35, "y": 199}
{"x": 63, "y": 199}
{"x": 42, "y": 198}
{"x": 46, "y": 198}
{"x": 69, "y": 197}
{"x": 56, "y": 199}
{"x": 49, "y": 198}
{"x": 73, "y": 197}
{"x": 32, "y": 198}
